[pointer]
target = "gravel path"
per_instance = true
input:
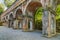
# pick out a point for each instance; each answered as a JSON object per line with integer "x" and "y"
{"x": 10, "y": 34}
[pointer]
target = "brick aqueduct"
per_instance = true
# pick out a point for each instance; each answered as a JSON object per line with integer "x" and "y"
{"x": 22, "y": 12}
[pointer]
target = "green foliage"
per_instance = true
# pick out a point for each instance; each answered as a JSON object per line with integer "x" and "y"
{"x": 58, "y": 12}
{"x": 1, "y": 8}
{"x": 58, "y": 18}
{"x": 38, "y": 15}
{"x": 9, "y": 2}
{"x": 38, "y": 19}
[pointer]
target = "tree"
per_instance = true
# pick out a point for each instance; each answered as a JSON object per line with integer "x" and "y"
{"x": 38, "y": 15}
{"x": 58, "y": 17}
{"x": 38, "y": 19}
{"x": 1, "y": 8}
{"x": 9, "y": 2}
{"x": 58, "y": 12}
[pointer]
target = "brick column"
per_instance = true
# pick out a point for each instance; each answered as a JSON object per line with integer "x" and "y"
{"x": 16, "y": 24}
{"x": 25, "y": 24}
{"x": 48, "y": 5}
{"x": 49, "y": 24}
{"x": 46, "y": 23}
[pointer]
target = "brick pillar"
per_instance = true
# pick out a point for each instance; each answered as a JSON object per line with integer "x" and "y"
{"x": 16, "y": 24}
{"x": 49, "y": 24}
{"x": 25, "y": 24}
{"x": 31, "y": 25}
{"x": 45, "y": 21}
{"x": 49, "y": 8}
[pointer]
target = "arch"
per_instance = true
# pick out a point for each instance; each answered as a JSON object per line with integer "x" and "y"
{"x": 11, "y": 16}
{"x": 6, "y": 17}
{"x": 10, "y": 20}
{"x": 30, "y": 1}
{"x": 18, "y": 12}
{"x": 18, "y": 18}
{"x": 33, "y": 6}
{"x": 17, "y": 9}
{"x": 31, "y": 9}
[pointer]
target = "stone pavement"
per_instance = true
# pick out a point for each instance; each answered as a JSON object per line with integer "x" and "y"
{"x": 10, "y": 34}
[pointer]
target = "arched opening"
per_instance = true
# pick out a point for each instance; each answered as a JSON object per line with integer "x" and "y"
{"x": 18, "y": 13}
{"x": 11, "y": 20}
{"x": 34, "y": 13}
{"x": 18, "y": 19}
{"x": 58, "y": 17}
{"x": 11, "y": 16}
{"x": 47, "y": 18}
{"x": 38, "y": 19}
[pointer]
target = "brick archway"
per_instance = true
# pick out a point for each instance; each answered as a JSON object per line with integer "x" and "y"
{"x": 33, "y": 6}
{"x": 11, "y": 16}
{"x": 10, "y": 20}
{"x": 31, "y": 11}
{"x": 47, "y": 29}
{"x": 18, "y": 19}
{"x": 18, "y": 13}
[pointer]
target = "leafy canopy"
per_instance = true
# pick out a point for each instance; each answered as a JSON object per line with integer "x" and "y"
{"x": 1, "y": 8}
{"x": 58, "y": 12}
{"x": 38, "y": 15}
{"x": 9, "y": 2}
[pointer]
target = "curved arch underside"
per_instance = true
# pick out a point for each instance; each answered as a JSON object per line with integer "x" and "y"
{"x": 11, "y": 16}
{"x": 33, "y": 6}
{"x": 18, "y": 12}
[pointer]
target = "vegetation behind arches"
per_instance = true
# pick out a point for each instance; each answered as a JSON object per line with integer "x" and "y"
{"x": 38, "y": 19}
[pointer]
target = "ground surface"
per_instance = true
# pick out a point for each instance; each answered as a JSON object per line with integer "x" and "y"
{"x": 10, "y": 34}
